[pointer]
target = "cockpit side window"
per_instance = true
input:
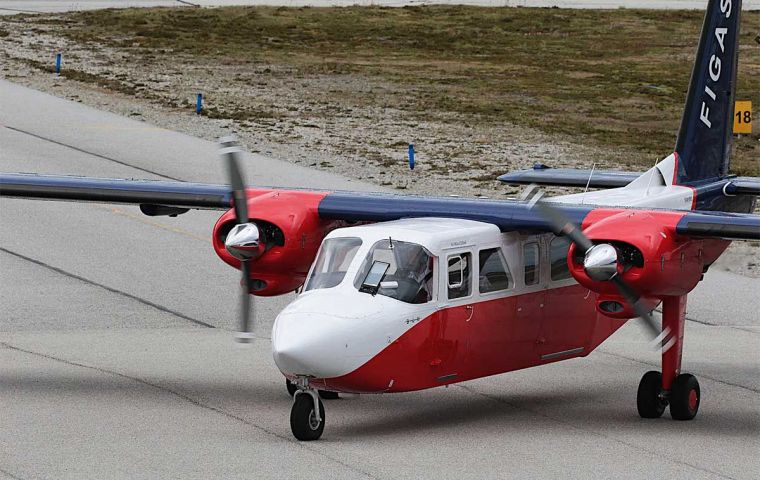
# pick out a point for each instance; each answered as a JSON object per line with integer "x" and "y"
{"x": 459, "y": 270}
{"x": 409, "y": 276}
{"x": 531, "y": 263}
{"x": 494, "y": 272}
{"x": 558, "y": 253}
{"x": 332, "y": 263}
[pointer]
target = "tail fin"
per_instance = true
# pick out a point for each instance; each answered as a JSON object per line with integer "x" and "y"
{"x": 703, "y": 147}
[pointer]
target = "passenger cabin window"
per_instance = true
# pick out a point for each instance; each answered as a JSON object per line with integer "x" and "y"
{"x": 408, "y": 276}
{"x": 558, "y": 253}
{"x": 494, "y": 272}
{"x": 531, "y": 262}
{"x": 332, "y": 262}
{"x": 459, "y": 271}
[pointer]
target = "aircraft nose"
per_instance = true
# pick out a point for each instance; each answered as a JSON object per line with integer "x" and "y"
{"x": 308, "y": 344}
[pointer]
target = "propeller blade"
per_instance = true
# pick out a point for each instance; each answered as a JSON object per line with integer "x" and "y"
{"x": 563, "y": 225}
{"x": 559, "y": 221}
{"x": 230, "y": 153}
{"x": 660, "y": 338}
{"x": 556, "y": 218}
{"x": 245, "y": 333}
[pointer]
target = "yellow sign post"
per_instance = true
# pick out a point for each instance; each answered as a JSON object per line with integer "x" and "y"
{"x": 743, "y": 117}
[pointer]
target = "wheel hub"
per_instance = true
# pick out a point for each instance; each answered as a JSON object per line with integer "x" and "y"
{"x": 693, "y": 400}
{"x": 313, "y": 421}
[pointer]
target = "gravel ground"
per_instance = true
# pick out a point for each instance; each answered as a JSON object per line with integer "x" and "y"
{"x": 337, "y": 122}
{"x": 333, "y": 121}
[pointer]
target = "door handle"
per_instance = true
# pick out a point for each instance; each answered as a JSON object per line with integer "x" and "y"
{"x": 471, "y": 310}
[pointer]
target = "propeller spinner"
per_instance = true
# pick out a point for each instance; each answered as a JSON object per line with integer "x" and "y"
{"x": 601, "y": 262}
{"x": 244, "y": 240}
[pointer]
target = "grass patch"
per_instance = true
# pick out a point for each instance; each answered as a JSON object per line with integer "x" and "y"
{"x": 612, "y": 79}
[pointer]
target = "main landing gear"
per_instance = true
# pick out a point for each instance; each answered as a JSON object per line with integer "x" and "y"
{"x": 307, "y": 416}
{"x": 683, "y": 396}
{"x": 679, "y": 390}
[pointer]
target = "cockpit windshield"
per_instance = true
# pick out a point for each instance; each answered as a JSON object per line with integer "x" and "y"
{"x": 409, "y": 275}
{"x": 332, "y": 262}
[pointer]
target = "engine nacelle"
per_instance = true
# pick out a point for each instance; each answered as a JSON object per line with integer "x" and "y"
{"x": 291, "y": 231}
{"x": 655, "y": 261}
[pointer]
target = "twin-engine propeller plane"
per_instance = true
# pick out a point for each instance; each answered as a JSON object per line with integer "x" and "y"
{"x": 401, "y": 293}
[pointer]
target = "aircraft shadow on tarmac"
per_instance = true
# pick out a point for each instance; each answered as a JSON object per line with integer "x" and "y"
{"x": 595, "y": 410}
{"x": 371, "y": 416}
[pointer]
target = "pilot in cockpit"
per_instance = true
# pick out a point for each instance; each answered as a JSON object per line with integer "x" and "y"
{"x": 415, "y": 265}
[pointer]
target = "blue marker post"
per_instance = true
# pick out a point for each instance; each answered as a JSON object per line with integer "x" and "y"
{"x": 58, "y": 63}
{"x": 199, "y": 104}
{"x": 411, "y": 156}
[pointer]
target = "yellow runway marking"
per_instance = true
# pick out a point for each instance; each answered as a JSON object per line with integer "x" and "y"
{"x": 142, "y": 219}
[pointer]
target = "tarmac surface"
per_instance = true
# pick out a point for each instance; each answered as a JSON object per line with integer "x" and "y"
{"x": 117, "y": 358}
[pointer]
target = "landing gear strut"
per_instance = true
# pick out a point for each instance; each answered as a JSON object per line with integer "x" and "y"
{"x": 325, "y": 394}
{"x": 307, "y": 417}
{"x": 671, "y": 387}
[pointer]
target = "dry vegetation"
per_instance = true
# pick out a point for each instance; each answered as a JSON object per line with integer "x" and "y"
{"x": 609, "y": 79}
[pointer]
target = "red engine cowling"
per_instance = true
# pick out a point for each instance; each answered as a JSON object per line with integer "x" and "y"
{"x": 657, "y": 262}
{"x": 290, "y": 224}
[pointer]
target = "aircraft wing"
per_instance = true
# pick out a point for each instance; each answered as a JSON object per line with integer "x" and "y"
{"x": 181, "y": 195}
{"x": 172, "y": 198}
{"x": 733, "y": 226}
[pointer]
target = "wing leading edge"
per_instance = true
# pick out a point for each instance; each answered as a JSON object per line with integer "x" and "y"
{"x": 111, "y": 190}
{"x": 350, "y": 206}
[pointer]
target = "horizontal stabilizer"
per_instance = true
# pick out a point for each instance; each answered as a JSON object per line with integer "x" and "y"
{"x": 743, "y": 186}
{"x": 732, "y": 226}
{"x": 569, "y": 177}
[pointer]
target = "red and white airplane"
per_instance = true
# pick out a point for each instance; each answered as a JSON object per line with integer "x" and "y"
{"x": 401, "y": 293}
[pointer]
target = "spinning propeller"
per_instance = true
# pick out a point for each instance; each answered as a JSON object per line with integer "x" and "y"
{"x": 601, "y": 262}
{"x": 244, "y": 240}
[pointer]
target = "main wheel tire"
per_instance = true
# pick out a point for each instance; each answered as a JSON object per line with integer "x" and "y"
{"x": 684, "y": 397}
{"x": 303, "y": 422}
{"x": 648, "y": 399}
{"x": 291, "y": 387}
{"x": 328, "y": 395}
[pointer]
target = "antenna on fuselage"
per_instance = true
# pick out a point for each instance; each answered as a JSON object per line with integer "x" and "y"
{"x": 585, "y": 190}
{"x": 589, "y": 177}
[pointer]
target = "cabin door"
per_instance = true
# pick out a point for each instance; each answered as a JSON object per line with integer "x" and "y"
{"x": 451, "y": 336}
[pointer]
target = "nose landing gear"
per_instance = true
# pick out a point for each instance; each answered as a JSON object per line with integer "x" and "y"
{"x": 325, "y": 394}
{"x": 307, "y": 422}
{"x": 307, "y": 416}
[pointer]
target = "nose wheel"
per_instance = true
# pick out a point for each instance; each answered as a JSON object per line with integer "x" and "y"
{"x": 307, "y": 417}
